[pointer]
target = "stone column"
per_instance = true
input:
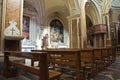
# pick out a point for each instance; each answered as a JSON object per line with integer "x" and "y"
{"x": 83, "y": 24}
{"x": 94, "y": 40}
{"x": 106, "y": 21}
{"x": 100, "y": 41}
{"x": 13, "y": 11}
{"x": 74, "y": 31}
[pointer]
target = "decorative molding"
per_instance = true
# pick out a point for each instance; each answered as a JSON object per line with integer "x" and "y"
{"x": 99, "y": 2}
{"x": 12, "y": 30}
{"x": 14, "y": 38}
{"x": 73, "y": 16}
{"x": 105, "y": 14}
{"x": 30, "y": 13}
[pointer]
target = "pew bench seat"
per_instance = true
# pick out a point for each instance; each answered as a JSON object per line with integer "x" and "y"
{"x": 53, "y": 74}
{"x": 43, "y": 72}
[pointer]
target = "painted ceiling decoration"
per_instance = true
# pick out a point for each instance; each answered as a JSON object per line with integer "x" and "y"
{"x": 116, "y": 3}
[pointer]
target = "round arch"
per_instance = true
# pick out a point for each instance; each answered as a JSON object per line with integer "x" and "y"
{"x": 92, "y": 12}
{"x": 107, "y": 6}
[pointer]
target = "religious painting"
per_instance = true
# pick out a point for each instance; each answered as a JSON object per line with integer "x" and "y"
{"x": 25, "y": 26}
{"x": 56, "y": 31}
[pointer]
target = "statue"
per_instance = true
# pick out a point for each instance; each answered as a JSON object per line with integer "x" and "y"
{"x": 45, "y": 42}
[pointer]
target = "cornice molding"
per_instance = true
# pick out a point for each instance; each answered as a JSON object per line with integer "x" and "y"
{"x": 74, "y": 16}
{"x": 28, "y": 12}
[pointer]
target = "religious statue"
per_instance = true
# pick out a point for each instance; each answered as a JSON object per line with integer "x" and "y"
{"x": 45, "y": 42}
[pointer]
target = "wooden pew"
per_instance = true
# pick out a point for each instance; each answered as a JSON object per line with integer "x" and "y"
{"x": 106, "y": 56}
{"x": 109, "y": 55}
{"x": 92, "y": 58}
{"x": 65, "y": 58}
{"x": 100, "y": 64}
{"x": 87, "y": 60}
{"x": 112, "y": 54}
{"x": 42, "y": 71}
{"x": 117, "y": 49}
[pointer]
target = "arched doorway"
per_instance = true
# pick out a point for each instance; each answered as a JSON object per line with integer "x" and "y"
{"x": 89, "y": 25}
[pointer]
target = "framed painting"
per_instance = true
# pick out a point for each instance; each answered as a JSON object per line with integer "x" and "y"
{"x": 25, "y": 26}
{"x": 56, "y": 31}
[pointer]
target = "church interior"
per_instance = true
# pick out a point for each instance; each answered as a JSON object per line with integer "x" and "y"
{"x": 59, "y": 39}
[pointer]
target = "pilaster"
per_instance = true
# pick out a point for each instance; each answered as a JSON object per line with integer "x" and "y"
{"x": 74, "y": 30}
{"x": 83, "y": 24}
{"x": 13, "y": 12}
{"x": 106, "y": 21}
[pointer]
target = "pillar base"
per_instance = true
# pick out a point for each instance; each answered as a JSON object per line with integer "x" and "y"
{"x": 108, "y": 43}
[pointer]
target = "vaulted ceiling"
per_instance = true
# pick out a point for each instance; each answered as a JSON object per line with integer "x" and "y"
{"x": 62, "y": 5}
{"x": 64, "y": 8}
{"x": 116, "y": 3}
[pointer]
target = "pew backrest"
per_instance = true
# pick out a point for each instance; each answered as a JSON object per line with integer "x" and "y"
{"x": 87, "y": 55}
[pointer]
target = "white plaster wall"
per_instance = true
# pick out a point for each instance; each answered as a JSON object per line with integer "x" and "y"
{"x": 66, "y": 38}
{"x": 33, "y": 29}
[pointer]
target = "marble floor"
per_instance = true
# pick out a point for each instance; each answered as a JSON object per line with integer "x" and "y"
{"x": 111, "y": 73}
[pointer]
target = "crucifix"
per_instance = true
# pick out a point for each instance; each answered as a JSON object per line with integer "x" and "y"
{"x": 12, "y": 30}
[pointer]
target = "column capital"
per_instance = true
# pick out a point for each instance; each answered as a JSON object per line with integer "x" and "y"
{"x": 104, "y": 14}
{"x": 73, "y": 16}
